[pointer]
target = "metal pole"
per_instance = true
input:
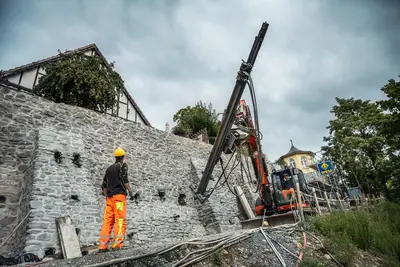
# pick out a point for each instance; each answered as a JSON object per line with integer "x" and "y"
{"x": 227, "y": 121}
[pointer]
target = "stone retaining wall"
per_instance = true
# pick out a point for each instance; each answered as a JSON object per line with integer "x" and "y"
{"x": 156, "y": 162}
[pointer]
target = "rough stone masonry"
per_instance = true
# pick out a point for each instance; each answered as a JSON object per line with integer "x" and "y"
{"x": 52, "y": 161}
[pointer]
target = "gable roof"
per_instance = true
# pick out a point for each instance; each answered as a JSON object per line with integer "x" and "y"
{"x": 294, "y": 150}
{"x": 90, "y": 47}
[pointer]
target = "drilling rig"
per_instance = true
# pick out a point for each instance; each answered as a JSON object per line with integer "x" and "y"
{"x": 239, "y": 130}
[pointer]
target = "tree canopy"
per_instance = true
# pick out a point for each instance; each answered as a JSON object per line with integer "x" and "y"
{"x": 80, "y": 80}
{"x": 392, "y": 106}
{"x": 391, "y": 132}
{"x": 190, "y": 120}
{"x": 363, "y": 141}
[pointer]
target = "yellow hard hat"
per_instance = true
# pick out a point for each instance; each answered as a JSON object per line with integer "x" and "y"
{"x": 119, "y": 152}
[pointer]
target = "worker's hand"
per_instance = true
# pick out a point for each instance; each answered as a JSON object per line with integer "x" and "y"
{"x": 131, "y": 196}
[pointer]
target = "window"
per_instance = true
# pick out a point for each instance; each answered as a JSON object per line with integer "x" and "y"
{"x": 304, "y": 161}
{"x": 292, "y": 163}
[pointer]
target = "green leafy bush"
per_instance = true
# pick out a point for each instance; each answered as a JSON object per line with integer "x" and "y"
{"x": 80, "y": 80}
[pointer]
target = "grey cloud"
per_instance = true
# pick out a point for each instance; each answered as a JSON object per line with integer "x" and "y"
{"x": 173, "y": 53}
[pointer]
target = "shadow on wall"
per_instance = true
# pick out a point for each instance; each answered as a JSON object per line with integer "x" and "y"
{"x": 17, "y": 230}
{"x": 17, "y": 153}
{"x": 74, "y": 147}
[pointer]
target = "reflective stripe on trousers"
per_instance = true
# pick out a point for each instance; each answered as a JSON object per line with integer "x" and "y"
{"x": 114, "y": 217}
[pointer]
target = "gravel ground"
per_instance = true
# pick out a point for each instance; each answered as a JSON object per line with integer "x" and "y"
{"x": 256, "y": 252}
{"x": 253, "y": 251}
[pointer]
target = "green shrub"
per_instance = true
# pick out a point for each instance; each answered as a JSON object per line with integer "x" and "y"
{"x": 377, "y": 230}
{"x": 217, "y": 258}
{"x": 309, "y": 262}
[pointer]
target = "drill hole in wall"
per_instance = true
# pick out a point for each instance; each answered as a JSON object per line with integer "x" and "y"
{"x": 75, "y": 197}
{"x": 50, "y": 251}
{"x": 76, "y": 160}
{"x": 58, "y": 156}
{"x": 182, "y": 199}
{"x": 136, "y": 197}
{"x": 3, "y": 199}
{"x": 161, "y": 194}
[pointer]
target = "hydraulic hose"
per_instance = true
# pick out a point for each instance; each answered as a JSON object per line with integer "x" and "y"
{"x": 303, "y": 249}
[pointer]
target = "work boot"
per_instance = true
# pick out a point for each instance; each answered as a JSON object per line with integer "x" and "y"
{"x": 117, "y": 248}
{"x": 103, "y": 250}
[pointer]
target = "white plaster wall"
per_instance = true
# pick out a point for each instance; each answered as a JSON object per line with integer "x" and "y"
{"x": 122, "y": 111}
{"x": 132, "y": 112}
{"x": 28, "y": 77}
{"x": 14, "y": 78}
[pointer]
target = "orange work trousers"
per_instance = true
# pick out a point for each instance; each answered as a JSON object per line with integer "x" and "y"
{"x": 285, "y": 193}
{"x": 114, "y": 217}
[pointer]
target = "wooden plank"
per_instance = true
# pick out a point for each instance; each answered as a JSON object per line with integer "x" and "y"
{"x": 244, "y": 202}
{"x": 299, "y": 202}
{"x": 68, "y": 239}
{"x": 340, "y": 200}
{"x": 316, "y": 201}
{"x": 327, "y": 201}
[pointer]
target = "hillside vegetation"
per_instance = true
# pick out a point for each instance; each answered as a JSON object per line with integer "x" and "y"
{"x": 357, "y": 237}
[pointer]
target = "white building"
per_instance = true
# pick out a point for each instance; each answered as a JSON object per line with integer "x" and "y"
{"x": 27, "y": 76}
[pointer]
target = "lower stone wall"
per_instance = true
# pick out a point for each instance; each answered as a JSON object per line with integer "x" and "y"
{"x": 24, "y": 208}
{"x": 55, "y": 184}
{"x": 56, "y": 181}
{"x": 221, "y": 212}
{"x": 16, "y": 169}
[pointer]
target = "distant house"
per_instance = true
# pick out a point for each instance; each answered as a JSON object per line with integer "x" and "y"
{"x": 25, "y": 77}
{"x": 300, "y": 159}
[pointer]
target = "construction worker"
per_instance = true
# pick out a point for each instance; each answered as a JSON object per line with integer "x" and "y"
{"x": 115, "y": 187}
{"x": 287, "y": 187}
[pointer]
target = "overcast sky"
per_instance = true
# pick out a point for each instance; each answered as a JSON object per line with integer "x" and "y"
{"x": 173, "y": 53}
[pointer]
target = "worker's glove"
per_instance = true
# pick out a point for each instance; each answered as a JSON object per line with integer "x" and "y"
{"x": 131, "y": 196}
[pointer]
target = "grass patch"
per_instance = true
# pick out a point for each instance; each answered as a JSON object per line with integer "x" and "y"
{"x": 217, "y": 258}
{"x": 376, "y": 230}
{"x": 341, "y": 246}
{"x": 312, "y": 260}
{"x": 307, "y": 262}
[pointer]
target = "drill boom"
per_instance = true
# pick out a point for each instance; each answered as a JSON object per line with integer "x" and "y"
{"x": 227, "y": 120}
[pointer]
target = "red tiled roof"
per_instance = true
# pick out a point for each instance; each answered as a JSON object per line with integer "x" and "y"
{"x": 82, "y": 49}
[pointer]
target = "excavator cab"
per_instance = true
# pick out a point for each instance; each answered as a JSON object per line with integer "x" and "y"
{"x": 284, "y": 190}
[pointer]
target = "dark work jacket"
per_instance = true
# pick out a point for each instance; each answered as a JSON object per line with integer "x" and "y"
{"x": 288, "y": 184}
{"x": 115, "y": 178}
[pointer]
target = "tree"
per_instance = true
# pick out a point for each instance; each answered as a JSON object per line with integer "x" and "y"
{"x": 193, "y": 119}
{"x": 391, "y": 132}
{"x": 80, "y": 80}
{"x": 356, "y": 145}
{"x": 392, "y": 106}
